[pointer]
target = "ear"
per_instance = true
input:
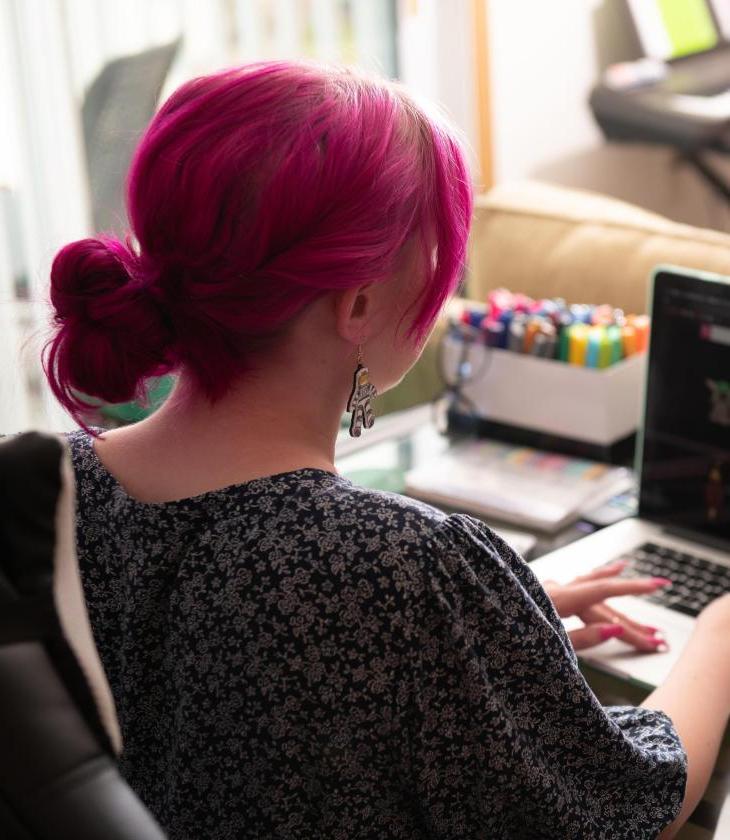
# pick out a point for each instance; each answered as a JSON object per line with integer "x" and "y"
{"x": 354, "y": 309}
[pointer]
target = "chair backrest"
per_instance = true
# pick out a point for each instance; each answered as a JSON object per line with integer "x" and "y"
{"x": 116, "y": 109}
{"x": 58, "y": 728}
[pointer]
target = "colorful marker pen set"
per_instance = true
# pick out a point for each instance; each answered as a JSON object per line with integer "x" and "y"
{"x": 580, "y": 334}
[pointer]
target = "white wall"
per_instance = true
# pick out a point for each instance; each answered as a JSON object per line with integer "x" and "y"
{"x": 543, "y": 65}
{"x": 437, "y": 61}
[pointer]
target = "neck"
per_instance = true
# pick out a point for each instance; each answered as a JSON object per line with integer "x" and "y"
{"x": 277, "y": 421}
{"x": 283, "y": 414}
{"x": 268, "y": 423}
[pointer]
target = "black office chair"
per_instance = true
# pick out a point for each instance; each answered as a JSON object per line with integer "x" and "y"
{"x": 58, "y": 729}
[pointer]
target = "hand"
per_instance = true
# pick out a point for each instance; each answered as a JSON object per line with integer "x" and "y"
{"x": 584, "y": 597}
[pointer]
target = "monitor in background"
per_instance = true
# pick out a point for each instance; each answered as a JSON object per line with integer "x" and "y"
{"x": 671, "y": 29}
{"x": 685, "y": 462}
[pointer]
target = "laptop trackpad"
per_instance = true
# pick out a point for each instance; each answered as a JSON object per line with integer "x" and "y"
{"x": 646, "y": 669}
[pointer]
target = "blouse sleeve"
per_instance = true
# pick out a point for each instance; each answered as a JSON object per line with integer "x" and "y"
{"x": 506, "y": 739}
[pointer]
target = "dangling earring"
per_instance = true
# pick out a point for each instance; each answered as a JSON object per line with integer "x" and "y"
{"x": 362, "y": 392}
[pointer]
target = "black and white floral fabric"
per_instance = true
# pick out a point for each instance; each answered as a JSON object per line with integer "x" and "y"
{"x": 298, "y": 657}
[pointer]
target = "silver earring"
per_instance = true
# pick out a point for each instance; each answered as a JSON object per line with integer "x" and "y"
{"x": 362, "y": 392}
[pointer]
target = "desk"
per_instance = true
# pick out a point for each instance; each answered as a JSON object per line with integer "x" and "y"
{"x": 380, "y": 460}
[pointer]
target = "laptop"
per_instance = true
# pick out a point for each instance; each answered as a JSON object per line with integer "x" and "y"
{"x": 682, "y": 530}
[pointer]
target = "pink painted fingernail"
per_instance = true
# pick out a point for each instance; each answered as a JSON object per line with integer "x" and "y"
{"x": 651, "y": 630}
{"x": 610, "y": 631}
{"x": 660, "y": 581}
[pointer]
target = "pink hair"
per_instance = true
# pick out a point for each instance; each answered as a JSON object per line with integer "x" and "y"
{"x": 253, "y": 192}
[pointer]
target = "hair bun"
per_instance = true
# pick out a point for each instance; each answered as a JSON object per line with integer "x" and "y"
{"x": 111, "y": 333}
{"x": 86, "y": 272}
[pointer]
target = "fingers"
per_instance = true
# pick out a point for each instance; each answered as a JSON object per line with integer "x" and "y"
{"x": 578, "y": 596}
{"x": 609, "y": 570}
{"x": 640, "y": 636}
{"x": 584, "y": 597}
{"x": 593, "y": 634}
{"x": 602, "y": 612}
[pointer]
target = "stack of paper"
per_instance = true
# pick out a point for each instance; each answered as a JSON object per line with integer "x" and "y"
{"x": 530, "y": 488}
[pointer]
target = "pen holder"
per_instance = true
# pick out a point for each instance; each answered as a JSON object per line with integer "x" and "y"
{"x": 550, "y": 404}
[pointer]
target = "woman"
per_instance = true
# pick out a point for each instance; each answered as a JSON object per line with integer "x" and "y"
{"x": 292, "y": 655}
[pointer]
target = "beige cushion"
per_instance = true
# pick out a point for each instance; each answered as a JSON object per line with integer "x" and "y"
{"x": 549, "y": 241}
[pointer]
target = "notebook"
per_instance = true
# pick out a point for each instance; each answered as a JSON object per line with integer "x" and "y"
{"x": 531, "y": 488}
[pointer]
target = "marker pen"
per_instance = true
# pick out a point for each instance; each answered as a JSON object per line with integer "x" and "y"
{"x": 564, "y": 323}
{"x": 516, "y": 337}
{"x": 604, "y": 350}
{"x": 641, "y": 325}
{"x": 495, "y": 334}
{"x": 629, "y": 341}
{"x": 594, "y": 346}
{"x": 532, "y": 328}
{"x": 614, "y": 339}
{"x": 578, "y": 344}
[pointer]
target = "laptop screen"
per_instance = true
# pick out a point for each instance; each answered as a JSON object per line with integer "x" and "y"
{"x": 685, "y": 452}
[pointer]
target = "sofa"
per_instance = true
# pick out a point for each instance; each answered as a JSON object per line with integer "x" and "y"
{"x": 550, "y": 241}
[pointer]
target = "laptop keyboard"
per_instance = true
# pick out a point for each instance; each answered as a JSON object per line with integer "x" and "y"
{"x": 695, "y": 581}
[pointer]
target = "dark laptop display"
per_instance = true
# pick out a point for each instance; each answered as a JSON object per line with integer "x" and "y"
{"x": 685, "y": 456}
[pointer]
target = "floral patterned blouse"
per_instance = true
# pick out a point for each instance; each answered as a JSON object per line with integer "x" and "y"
{"x": 299, "y": 657}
